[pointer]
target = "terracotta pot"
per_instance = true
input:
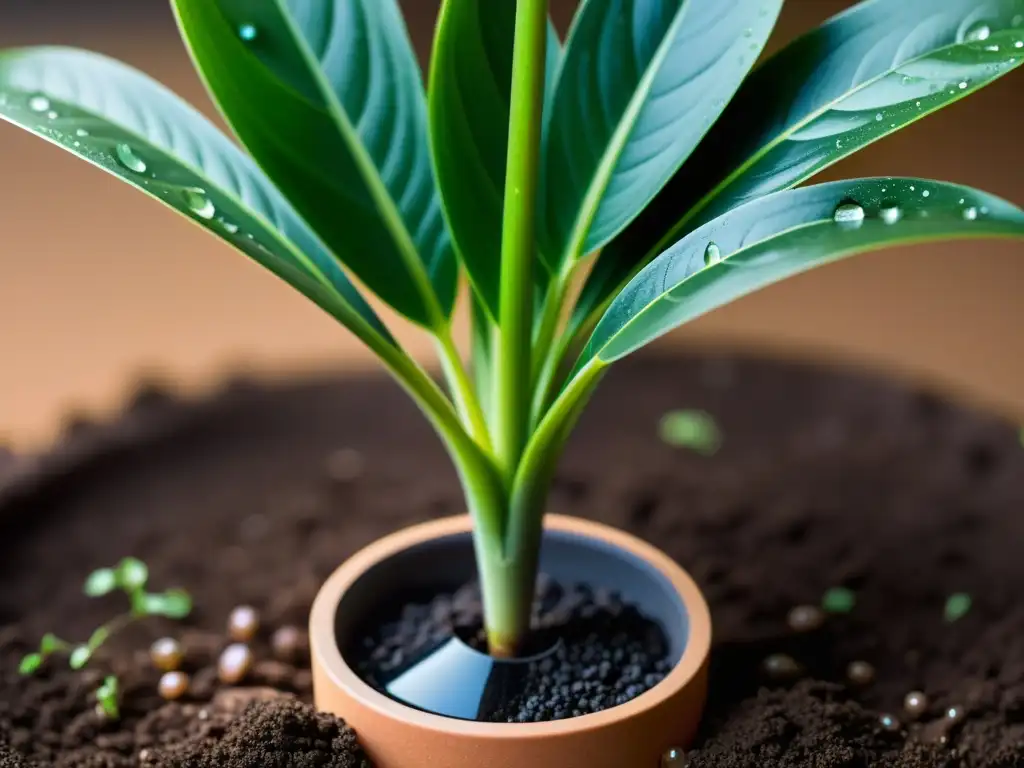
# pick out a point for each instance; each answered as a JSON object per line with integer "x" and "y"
{"x": 439, "y": 556}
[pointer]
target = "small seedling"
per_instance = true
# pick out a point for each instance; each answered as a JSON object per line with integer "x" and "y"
{"x": 130, "y": 577}
{"x": 839, "y": 600}
{"x": 696, "y": 430}
{"x": 957, "y": 606}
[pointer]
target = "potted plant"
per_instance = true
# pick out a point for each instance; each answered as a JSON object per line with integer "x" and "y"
{"x": 644, "y": 138}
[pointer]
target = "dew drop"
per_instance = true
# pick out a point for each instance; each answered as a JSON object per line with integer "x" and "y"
{"x": 878, "y": 117}
{"x": 52, "y": 114}
{"x": 984, "y": 210}
{"x": 926, "y": 193}
{"x": 1019, "y": 44}
{"x": 81, "y": 132}
{"x": 992, "y": 48}
{"x": 129, "y": 159}
{"x": 970, "y": 214}
{"x": 912, "y": 188}
{"x": 890, "y": 213}
{"x": 199, "y": 204}
{"x": 247, "y": 32}
{"x": 977, "y": 32}
{"x": 77, "y": 144}
{"x": 673, "y": 758}
{"x": 918, "y": 105}
{"x": 849, "y": 215}
{"x": 748, "y": 32}
{"x": 963, "y": 85}
{"x": 230, "y": 227}
{"x": 39, "y": 103}
{"x": 712, "y": 255}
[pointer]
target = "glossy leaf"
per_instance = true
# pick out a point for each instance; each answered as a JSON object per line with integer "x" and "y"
{"x": 469, "y": 97}
{"x": 132, "y": 127}
{"x": 642, "y": 82}
{"x": 863, "y": 75}
{"x": 327, "y": 97}
{"x": 786, "y": 233}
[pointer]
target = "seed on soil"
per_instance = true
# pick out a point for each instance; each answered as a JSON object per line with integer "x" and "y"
{"x": 234, "y": 663}
{"x": 243, "y": 623}
{"x": 889, "y": 723}
{"x": 173, "y": 685}
{"x": 345, "y": 465}
{"x": 673, "y": 758}
{"x": 860, "y": 673}
{"x": 780, "y": 666}
{"x": 915, "y": 704}
{"x": 806, "y": 618}
{"x": 288, "y": 643}
{"x": 166, "y": 654}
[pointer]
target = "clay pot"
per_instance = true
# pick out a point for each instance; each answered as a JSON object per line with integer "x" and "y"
{"x": 439, "y": 555}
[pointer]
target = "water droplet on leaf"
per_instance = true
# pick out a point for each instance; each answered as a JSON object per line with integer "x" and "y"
{"x": 39, "y": 103}
{"x": 129, "y": 159}
{"x": 849, "y": 215}
{"x": 878, "y": 117}
{"x": 81, "y": 132}
{"x": 970, "y": 213}
{"x": 247, "y": 32}
{"x": 963, "y": 85}
{"x": 52, "y": 114}
{"x": 925, "y": 193}
{"x": 712, "y": 254}
{"x": 978, "y": 31}
{"x": 891, "y": 213}
{"x": 231, "y": 227}
{"x": 199, "y": 204}
{"x": 1019, "y": 44}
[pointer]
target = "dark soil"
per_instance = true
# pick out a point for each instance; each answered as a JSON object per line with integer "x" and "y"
{"x": 824, "y": 479}
{"x": 605, "y": 651}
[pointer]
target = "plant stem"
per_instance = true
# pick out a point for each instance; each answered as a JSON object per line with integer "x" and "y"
{"x": 480, "y": 353}
{"x": 512, "y": 383}
{"x": 466, "y": 402}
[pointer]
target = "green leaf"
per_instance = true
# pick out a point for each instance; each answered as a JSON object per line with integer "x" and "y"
{"x": 469, "y": 99}
{"x": 696, "y": 430}
{"x": 784, "y": 234}
{"x": 106, "y": 697}
{"x": 30, "y": 663}
{"x": 327, "y": 97}
{"x": 839, "y": 600}
{"x": 863, "y": 75}
{"x": 172, "y": 604}
{"x": 98, "y": 638}
{"x": 642, "y": 82}
{"x": 100, "y": 582}
{"x": 51, "y": 644}
{"x": 132, "y": 574}
{"x": 80, "y": 657}
{"x": 132, "y": 127}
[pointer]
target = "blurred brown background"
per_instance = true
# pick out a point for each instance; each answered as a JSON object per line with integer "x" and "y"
{"x": 99, "y": 285}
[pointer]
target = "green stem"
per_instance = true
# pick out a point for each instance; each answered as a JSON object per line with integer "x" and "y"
{"x": 513, "y": 578}
{"x": 480, "y": 354}
{"x": 512, "y": 384}
{"x": 466, "y": 402}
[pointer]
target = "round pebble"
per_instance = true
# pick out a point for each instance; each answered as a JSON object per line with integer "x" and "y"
{"x": 288, "y": 643}
{"x": 243, "y": 623}
{"x": 673, "y": 758}
{"x": 234, "y": 664}
{"x": 889, "y": 723}
{"x": 805, "y": 618}
{"x": 166, "y": 654}
{"x": 780, "y": 666}
{"x": 860, "y": 673}
{"x": 915, "y": 704}
{"x": 173, "y": 685}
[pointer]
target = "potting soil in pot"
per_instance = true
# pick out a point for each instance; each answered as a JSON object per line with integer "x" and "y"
{"x": 899, "y": 513}
{"x": 598, "y": 652}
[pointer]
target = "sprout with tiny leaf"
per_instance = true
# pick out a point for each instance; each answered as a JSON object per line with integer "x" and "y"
{"x": 130, "y": 576}
{"x": 646, "y": 153}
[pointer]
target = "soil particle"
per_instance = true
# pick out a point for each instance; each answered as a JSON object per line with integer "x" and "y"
{"x": 281, "y": 733}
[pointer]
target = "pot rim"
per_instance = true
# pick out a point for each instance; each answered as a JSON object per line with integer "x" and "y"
{"x": 328, "y": 655}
